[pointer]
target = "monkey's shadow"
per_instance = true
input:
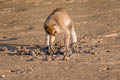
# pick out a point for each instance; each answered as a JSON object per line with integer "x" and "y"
{"x": 13, "y": 47}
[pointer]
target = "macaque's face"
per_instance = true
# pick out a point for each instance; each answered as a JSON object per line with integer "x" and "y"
{"x": 50, "y": 30}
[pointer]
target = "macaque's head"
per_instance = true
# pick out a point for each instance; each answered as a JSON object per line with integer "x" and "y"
{"x": 50, "y": 29}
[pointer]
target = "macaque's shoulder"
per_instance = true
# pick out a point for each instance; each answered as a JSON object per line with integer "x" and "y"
{"x": 59, "y": 9}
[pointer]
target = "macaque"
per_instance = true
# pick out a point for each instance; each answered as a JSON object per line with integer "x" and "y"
{"x": 59, "y": 22}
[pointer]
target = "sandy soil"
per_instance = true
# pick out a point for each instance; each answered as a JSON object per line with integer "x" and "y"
{"x": 97, "y": 24}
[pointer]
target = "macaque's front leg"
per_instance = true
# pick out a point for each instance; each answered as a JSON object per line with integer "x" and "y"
{"x": 74, "y": 37}
{"x": 67, "y": 38}
{"x": 52, "y": 39}
{"x": 47, "y": 39}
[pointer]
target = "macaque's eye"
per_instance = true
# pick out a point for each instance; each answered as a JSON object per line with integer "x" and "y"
{"x": 54, "y": 24}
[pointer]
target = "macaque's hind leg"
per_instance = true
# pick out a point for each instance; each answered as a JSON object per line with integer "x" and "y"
{"x": 66, "y": 43}
{"x": 73, "y": 33}
{"x": 74, "y": 45}
{"x": 67, "y": 38}
{"x": 74, "y": 39}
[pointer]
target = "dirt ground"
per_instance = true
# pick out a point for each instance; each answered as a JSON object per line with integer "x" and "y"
{"x": 97, "y": 24}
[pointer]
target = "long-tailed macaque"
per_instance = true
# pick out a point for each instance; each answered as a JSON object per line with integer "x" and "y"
{"x": 59, "y": 22}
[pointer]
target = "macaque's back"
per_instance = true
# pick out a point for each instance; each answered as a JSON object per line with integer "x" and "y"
{"x": 60, "y": 16}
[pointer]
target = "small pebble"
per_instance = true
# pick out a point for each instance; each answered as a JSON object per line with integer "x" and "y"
{"x": 86, "y": 51}
{"x": 2, "y": 76}
{"x": 3, "y": 49}
{"x": 44, "y": 76}
{"x": 66, "y": 58}
{"x": 97, "y": 58}
{"x": 33, "y": 59}
{"x": 104, "y": 69}
{"x": 107, "y": 51}
{"x": 18, "y": 72}
{"x": 49, "y": 59}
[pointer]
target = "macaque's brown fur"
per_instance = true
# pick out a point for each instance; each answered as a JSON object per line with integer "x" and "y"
{"x": 59, "y": 22}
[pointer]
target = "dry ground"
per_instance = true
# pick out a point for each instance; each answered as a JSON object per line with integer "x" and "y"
{"x": 21, "y": 24}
